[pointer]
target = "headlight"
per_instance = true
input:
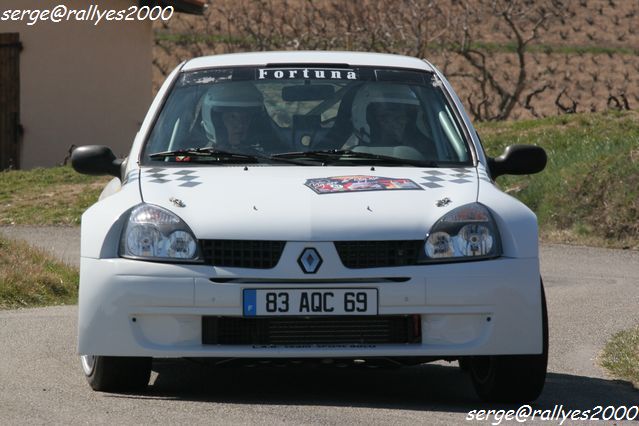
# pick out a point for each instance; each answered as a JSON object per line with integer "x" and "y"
{"x": 155, "y": 233}
{"x": 465, "y": 233}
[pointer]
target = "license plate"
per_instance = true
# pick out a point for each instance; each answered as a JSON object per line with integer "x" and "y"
{"x": 310, "y": 301}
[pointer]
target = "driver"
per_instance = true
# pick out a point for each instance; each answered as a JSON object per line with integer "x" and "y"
{"x": 388, "y": 115}
{"x": 388, "y": 122}
{"x": 233, "y": 117}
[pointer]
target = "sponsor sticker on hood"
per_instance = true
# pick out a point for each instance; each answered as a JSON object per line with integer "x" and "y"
{"x": 357, "y": 183}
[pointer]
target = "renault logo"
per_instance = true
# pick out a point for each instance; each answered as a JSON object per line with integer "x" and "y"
{"x": 309, "y": 260}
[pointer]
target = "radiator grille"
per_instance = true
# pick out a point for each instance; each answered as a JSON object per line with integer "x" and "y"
{"x": 377, "y": 254}
{"x": 242, "y": 253}
{"x": 259, "y": 254}
{"x": 303, "y": 331}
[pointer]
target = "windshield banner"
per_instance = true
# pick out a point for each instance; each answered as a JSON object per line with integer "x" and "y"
{"x": 299, "y": 73}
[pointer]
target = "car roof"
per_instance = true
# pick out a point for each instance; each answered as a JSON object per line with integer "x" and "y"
{"x": 307, "y": 57}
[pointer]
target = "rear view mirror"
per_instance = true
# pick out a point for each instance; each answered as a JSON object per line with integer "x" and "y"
{"x": 307, "y": 92}
{"x": 96, "y": 160}
{"x": 518, "y": 160}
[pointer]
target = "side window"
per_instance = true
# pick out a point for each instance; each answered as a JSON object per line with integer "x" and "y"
{"x": 179, "y": 124}
{"x": 446, "y": 120}
{"x": 441, "y": 121}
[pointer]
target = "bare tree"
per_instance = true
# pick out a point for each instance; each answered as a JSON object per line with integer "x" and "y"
{"x": 566, "y": 109}
{"x": 524, "y": 21}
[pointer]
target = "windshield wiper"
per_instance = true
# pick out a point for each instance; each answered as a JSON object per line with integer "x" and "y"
{"x": 340, "y": 154}
{"x": 214, "y": 154}
{"x": 206, "y": 154}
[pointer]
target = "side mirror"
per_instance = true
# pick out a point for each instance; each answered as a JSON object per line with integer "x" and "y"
{"x": 518, "y": 160}
{"x": 96, "y": 160}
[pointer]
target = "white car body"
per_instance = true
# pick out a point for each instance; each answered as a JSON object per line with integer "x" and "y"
{"x": 137, "y": 308}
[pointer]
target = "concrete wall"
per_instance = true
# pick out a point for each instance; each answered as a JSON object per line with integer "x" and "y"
{"x": 80, "y": 84}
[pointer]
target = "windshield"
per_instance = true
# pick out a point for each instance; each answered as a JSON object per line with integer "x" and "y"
{"x": 365, "y": 112}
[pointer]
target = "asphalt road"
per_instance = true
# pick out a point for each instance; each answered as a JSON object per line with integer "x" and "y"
{"x": 591, "y": 294}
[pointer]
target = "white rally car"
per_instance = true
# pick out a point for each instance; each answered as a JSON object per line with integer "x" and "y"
{"x": 311, "y": 206}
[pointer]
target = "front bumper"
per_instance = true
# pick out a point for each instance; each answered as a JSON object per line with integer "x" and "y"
{"x": 135, "y": 308}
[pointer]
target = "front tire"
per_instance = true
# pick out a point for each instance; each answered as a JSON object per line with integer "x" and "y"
{"x": 116, "y": 374}
{"x": 512, "y": 378}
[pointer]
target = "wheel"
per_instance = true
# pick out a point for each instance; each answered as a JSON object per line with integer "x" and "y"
{"x": 512, "y": 378}
{"x": 116, "y": 374}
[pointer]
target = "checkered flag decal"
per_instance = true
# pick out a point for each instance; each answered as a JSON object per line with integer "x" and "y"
{"x": 189, "y": 178}
{"x": 436, "y": 178}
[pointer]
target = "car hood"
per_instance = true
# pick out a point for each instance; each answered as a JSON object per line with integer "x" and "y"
{"x": 308, "y": 203}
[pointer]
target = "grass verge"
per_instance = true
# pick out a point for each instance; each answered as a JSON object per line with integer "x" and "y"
{"x": 53, "y": 196}
{"x": 621, "y": 356}
{"x": 30, "y": 278}
{"x": 589, "y": 192}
